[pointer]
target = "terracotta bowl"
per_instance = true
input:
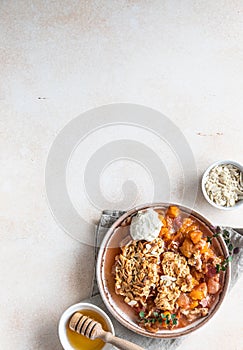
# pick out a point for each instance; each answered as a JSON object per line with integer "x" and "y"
{"x": 118, "y": 235}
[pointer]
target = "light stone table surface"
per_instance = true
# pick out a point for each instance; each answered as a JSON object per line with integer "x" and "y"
{"x": 59, "y": 59}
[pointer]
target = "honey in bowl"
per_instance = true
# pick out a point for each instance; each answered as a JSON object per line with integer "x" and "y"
{"x": 80, "y": 342}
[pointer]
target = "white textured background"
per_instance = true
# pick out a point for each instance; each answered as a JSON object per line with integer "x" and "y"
{"x": 60, "y": 58}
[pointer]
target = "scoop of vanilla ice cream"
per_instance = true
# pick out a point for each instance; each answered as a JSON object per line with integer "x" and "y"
{"x": 146, "y": 225}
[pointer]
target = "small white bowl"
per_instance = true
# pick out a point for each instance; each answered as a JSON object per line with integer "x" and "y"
{"x": 69, "y": 312}
{"x": 204, "y": 178}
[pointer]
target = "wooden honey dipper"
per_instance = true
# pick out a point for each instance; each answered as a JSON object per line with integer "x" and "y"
{"x": 92, "y": 329}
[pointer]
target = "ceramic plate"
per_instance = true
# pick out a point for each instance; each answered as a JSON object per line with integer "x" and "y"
{"x": 117, "y": 236}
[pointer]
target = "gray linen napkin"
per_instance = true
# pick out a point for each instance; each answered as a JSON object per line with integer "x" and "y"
{"x": 108, "y": 217}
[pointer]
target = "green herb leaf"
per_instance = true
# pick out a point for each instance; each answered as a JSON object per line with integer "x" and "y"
{"x": 141, "y": 314}
{"x": 224, "y": 264}
{"x": 218, "y": 268}
{"x": 226, "y": 233}
{"x": 167, "y": 321}
{"x": 230, "y": 247}
{"x": 226, "y": 236}
{"x": 175, "y": 321}
{"x": 209, "y": 239}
